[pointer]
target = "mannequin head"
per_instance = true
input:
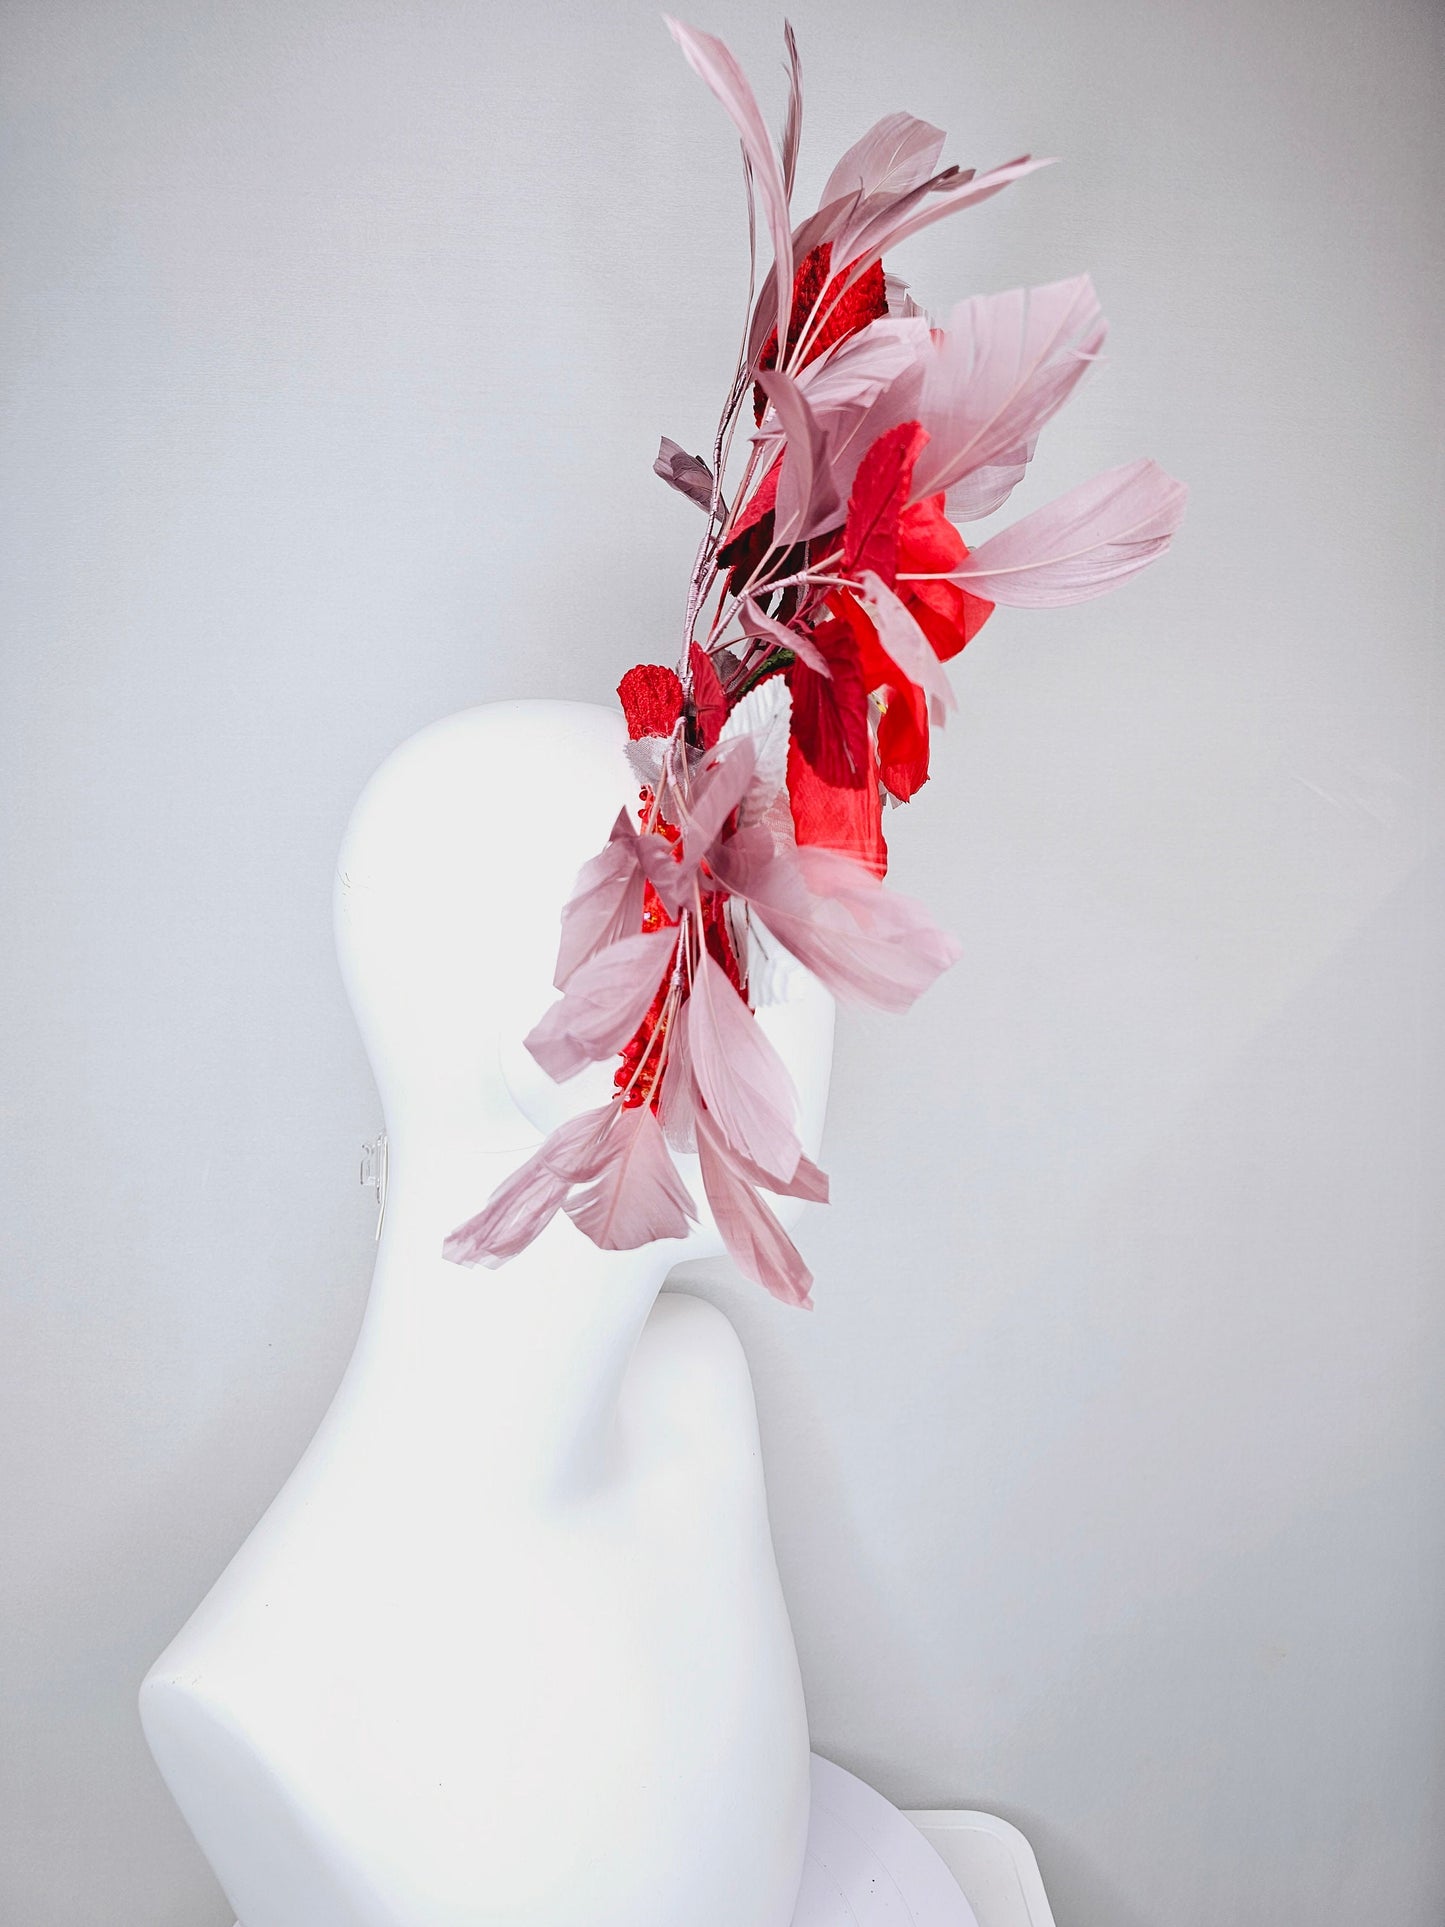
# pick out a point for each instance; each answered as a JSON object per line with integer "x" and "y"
{"x": 452, "y": 876}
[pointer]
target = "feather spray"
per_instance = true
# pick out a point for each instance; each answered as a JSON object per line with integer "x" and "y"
{"x": 824, "y": 603}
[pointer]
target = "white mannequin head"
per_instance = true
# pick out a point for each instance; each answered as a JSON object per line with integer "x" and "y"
{"x": 451, "y": 880}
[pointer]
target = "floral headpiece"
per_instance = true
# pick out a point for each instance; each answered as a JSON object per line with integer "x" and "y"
{"x": 827, "y": 595}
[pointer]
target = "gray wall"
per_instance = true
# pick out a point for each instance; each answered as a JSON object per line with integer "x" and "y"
{"x": 338, "y": 338}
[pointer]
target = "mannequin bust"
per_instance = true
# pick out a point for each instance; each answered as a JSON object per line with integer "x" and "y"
{"x": 509, "y": 1646}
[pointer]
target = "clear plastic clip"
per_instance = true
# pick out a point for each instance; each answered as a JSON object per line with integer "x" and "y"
{"x": 373, "y": 1173}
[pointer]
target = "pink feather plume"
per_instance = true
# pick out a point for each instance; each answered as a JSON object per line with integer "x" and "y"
{"x": 524, "y": 1204}
{"x": 865, "y": 943}
{"x": 1005, "y": 365}
{"x": 756, "y": 1242}
{"x": 604, "y": 1002}
{"x": 741, "y": 1078}
{"x": 633, "y": 1193}
{"x": 914, "y": 211}
{"x": 716, "y": 65}
{"x": 1083, "y": 544}
{"x": 897, "y": 154}
{"x": 605, "y": 904}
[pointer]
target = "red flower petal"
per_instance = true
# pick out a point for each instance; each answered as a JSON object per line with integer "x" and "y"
{"x": 879, "y": 668}
{"x": 950, "y": 619}
{"x": 927, "y": 543}
{"x": 903, "y": 742}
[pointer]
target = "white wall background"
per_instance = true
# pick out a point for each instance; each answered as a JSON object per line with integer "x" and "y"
{"x": 338, "y": 338}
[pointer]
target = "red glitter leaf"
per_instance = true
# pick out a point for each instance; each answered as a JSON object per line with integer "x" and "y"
{"x": 651, "y": 698}
{"x": 865, "y": 301}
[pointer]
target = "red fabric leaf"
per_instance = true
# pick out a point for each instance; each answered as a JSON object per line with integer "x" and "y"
{"x": 880, "y": 489}
{"x": 903, "y": 732}
{"x": 651, "y": 698}
{"x": 850, "y": 820}
{"x": 761, "y": 502}
{"x": 949, "y": 622}
{"x": 830, "y": 714}
{"x": 709, "y": 704}
{"x": 902, "y": 638}
{"x": 752, "y": 534}
{"x": 930, "y": 538}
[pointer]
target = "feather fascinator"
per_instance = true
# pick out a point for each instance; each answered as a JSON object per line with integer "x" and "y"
{"x": 832, "y": 586}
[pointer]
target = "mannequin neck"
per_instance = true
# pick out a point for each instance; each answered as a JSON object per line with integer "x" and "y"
{"x": 513, "y": 1375}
